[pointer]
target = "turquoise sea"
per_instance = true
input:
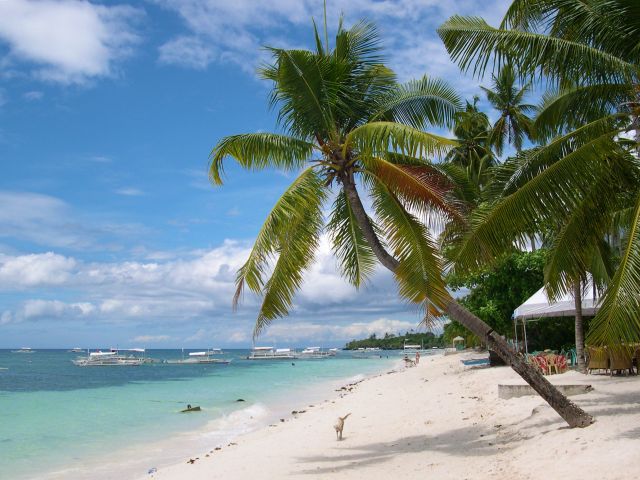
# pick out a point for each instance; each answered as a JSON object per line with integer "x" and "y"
{"x": 58, "y": 420}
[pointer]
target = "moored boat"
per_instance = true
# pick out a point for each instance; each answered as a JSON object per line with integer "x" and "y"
{"x": 316, "y": 352}
{"x": 23, "y": 350}
{"x": 112, "y": 358}
{"x": 200, "y": 358}
{"x": 271, "y": 353}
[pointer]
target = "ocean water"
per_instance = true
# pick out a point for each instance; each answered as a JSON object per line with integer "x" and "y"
{"x": 58, "y": 420}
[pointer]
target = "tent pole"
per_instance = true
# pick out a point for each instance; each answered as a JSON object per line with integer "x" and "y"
{"x": 524, "y": 328}
{"x": 515, "y": 329}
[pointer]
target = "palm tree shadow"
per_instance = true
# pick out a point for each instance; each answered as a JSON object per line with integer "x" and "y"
{"x": 470, "y": 441}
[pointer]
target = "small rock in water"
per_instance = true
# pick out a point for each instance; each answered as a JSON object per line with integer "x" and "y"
{"x": 240, "y": 400}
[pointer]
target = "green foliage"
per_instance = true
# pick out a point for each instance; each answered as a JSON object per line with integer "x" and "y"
{"x": 496, "y": 291}
{"x": 393, "y": 342}
{"x": 586, "y": 174}
{"x": 552, "y": 333}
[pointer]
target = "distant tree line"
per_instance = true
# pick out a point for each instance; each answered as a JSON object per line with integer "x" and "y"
{"x": 391, "y": 341}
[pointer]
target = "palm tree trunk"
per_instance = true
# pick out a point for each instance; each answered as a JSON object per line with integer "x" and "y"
{"x": 569, "y": 411}
{"x": 577, "y": 300}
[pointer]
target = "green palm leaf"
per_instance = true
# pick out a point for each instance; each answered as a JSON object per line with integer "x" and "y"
{"x": 256, "y": 151}
{"x": 296, "y": 217}
{"x": 618, "y": 320}
{"x": 377, "y": 138}
{"x": 419, "y": 274}
{"x": 473, "y": 44}
{"x": 355, "y": 257}
{"x": 418, "y": 103}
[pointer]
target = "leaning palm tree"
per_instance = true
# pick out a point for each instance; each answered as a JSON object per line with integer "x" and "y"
{"x": 513, "y": 125}
{"x": 588, "y": 169}
{"x": 350, "y": 128}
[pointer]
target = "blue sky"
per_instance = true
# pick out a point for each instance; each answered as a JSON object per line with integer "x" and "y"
{"x": 110, "y": 233}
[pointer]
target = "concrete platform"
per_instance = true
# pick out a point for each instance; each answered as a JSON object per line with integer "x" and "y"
{"x": 513, "y": 391}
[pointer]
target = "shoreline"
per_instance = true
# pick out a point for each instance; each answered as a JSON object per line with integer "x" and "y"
{"x": 131, "y": 461}
{"x": 440, "y": 419}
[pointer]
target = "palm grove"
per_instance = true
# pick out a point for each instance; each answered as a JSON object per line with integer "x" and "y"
{"x": 351, "y": 130}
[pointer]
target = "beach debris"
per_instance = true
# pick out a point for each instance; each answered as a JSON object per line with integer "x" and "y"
{"x": 206, "y": 455}
{"x": 282, "y": 419}
{"x": 218, "y": 448}
{"x": 152, "y": 470}
{"x": 191, "y": 409}
{"x": 232, "y": 443}
{"x": 240, "y": 400}
{"x": 191, "y": 461}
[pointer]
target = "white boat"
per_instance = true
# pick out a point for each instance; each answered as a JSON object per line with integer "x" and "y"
{"x": 271, "y": 353}
{"x": 23, "y": 350}
{"x": 201, "y": 357}
{"x": 412, "y": 349}
{"x": 112, "y": 358}
{"x": 76, "y": 350}
{"x": 317, "y": 352}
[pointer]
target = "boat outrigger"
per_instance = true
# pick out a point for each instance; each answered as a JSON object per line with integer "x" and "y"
{"x": 271, "y": 353}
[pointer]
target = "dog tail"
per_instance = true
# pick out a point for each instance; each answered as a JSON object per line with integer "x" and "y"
{"x": 345, "y": 417}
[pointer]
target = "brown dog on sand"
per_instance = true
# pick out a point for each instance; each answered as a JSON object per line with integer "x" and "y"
{"x": 339, "y": 426}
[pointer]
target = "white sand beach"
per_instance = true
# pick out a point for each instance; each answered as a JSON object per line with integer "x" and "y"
{"x": 439, "y": 420}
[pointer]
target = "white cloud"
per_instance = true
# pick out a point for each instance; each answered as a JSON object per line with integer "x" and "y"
{"x": 33, "y": 95}
{"x": 187, "y": 52}
{"x": 68, "y": 41}
{"x": 130, "y": 192}
{"x": 195, "y": 289}
{"x": 151, "y": 338}
{"x": 235, "y": 31}
{"x": 48, "y": 309}
{"x": 295, "y": 332}
{"x": 35, "y": 270}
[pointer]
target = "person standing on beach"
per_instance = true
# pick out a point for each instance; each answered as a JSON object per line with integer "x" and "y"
{"x": 417, "y": 358}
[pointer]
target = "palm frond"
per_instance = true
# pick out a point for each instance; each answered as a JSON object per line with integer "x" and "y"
{"x": 549, "y": 195}
{"x": 617, "y": 321}
{"x": 355, "y": 257}
{"x": 575, "y": 106}
{"x": 418, "y": 103}
{"x": 256, "y": 151}
{"x": 422, "y": 188}
{"x": 474, "y": 45}
{"x": 376, "y": 138}
{"x": 290, "y": 234}
{"x": 419, "y": 274}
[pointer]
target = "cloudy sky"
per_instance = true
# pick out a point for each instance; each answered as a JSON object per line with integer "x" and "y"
{"x": 110, "y": 233}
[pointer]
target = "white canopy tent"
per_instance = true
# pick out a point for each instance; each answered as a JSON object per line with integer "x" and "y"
{"x": 540, "y": 306}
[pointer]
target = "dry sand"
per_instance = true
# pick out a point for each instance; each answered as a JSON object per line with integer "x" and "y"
{"x": 440, "y": 420}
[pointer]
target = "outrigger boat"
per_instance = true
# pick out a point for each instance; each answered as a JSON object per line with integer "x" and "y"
{"x": 317, "y": 352}
{"x": 23, "y": 350}
{"x": 112, "y": 358}
{"x": 271, "y": 353}
{"x": 201, "y": 357}
{"x": 76, "y": 350}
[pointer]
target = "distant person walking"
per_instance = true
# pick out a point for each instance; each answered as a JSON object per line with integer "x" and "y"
{"x": 417, "y": 358}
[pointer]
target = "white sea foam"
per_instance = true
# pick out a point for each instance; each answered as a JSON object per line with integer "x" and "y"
{"x": 237, "y": 423}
